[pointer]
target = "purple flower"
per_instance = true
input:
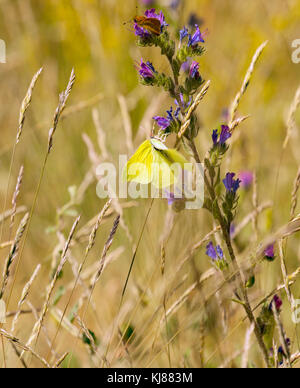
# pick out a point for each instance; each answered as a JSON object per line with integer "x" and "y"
{"x": 140, "y": 31}
{"x": 194, "y": 70}
{"x": 175, "y": 4}
{"x": 186, "y": 65}
{"x": 146, "y": 70}
{"x": 210, "y": 251}
{"x": 246, "y": 178}
{"x": 183, "y": 33}
{"x": 230, "y": 183}
{"x": 184, "y": 104}
{"x": 269, "y": 252}
{"x": 277, "y": 301}
{"x": 215, "y": 136}
{"x": 165, "y": 122}
{"x": 196, "y": 38}
{"x": 225, "y": 134}
{"x": 232, "y": 229}
{"x": 162, "y": 122}
{"x": 215, "y": 253}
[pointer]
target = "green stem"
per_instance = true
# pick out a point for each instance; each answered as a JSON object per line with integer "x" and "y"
{"x": 227, "y": 239}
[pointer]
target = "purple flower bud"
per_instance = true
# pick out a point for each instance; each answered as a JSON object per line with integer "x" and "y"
{"x": 196, "y": 38}
{"x": 215, "y": 136}
{"x": 194, "y": 70}
{"x": 269, "y": 252}
{"x": 210, "y": 251}
{"x": 146, "y": 70}
{"x": 183, "y": 33}
{"x": 277, "y": 302}
{"x": 246, "y": 178}
{"x": 215, "y": 253}
{"x": 231, "y": 184}
{"x": 225, "y": 134}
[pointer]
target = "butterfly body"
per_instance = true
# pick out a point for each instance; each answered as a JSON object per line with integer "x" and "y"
{"x": 150, "y": 24}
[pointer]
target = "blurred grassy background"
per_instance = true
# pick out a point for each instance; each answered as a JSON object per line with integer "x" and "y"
{"x": 90, "y": 36}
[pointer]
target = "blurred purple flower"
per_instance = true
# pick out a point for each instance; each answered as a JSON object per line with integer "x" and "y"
{"x": 277, "y": 301}
{"x": 232, "y": 229}
{"x": 215, "y": 253}
{"x": 146, "y": 70}
{"x": 231, "y": 184}
{"x": 186, "y": 65}
{"x": 174, "y": 4}
{"x": 196, "y": 38}
{"x": 162, "y": 122}
{"x": 184, "y": 104}
{"x": 246, "y": 178}
{"x": 148, "y": 3}
{"x": 194, "y": 70}
{"x": 165, "y": 122}
{"x": 183, "y": 33}
{"x": 269, "y": 252}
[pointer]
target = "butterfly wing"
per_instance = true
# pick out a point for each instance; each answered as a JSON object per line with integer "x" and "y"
{"x": 150, "y": 24}
{"x": 163, "y": 173}
{"x": 138, "y": 168}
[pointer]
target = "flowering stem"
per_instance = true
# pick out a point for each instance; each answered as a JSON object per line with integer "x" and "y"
{"x": 226, "y": 235}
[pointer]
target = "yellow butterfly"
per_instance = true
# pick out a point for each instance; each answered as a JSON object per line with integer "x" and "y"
{"x": 152, "y": 163}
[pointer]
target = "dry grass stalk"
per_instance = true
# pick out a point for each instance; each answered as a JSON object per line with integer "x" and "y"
{"x": 91, "y": 243}
{"x": 247, "y": 346}
{"x": 192, "y": 109}
{"x": 13, "y": 252}
{"x": 25, "y": 104}
{"x": 245, "y": 84}
{"x": 38, "y": 325}
{"x": 24, "y": 296}
{"x": 15, "y": 196}
{"x": 63, "y": 97}
{"x": 101, "y": 135}
{"x": 98, "y": 273}
{"x": 291, "y": 117}
{"x": 60, "y": 360}
{"x": 25, "y": 348}
{"x": 294, "y": 201}
{"x": 8, "y": 213}
{"x": 104, "y": 253}
{"x": 249, "y": 218}
{"x": 285, "y": 276}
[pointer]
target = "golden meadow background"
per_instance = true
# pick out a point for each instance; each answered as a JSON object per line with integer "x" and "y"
{"x": 90, "y": 36}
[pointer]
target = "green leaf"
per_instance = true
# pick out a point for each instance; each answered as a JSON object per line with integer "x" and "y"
{"x": 59, "y": 294}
